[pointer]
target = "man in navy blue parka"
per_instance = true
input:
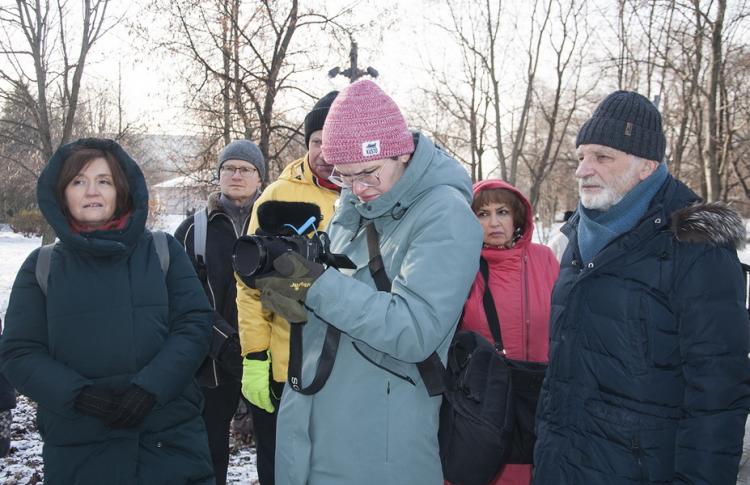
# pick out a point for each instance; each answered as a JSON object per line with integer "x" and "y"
{"x": 649, "y": 380}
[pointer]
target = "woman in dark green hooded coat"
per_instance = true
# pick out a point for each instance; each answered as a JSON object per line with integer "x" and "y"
{"x": 109, "y": 354}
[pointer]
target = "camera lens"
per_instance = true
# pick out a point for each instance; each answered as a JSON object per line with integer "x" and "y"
{"x": 250, "y": 256}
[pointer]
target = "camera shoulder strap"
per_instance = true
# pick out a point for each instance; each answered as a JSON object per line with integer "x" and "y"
{"x": 325, "y": 361}
{"x": 431, "y": 369}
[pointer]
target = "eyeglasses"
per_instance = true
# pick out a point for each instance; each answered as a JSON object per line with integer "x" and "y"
{"x": 230, "y": 170}
{"x": 366, "y": 178}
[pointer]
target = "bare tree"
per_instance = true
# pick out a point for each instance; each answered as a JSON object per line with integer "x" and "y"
{"x": 568, "y": 46}
{"x": 713, "y": 109}
{"x": 52, "y": 88}
{"x": 533, "y": 53}
{"x": 245, "y": 57}
{"x": 459, "y": 98}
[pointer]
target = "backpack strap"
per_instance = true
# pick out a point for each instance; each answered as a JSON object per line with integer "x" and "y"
{"x": 200, "y": 228}
{"x": 44, "y": 259}
{"x": 162, "y": 249}
{"x": 493, "y": 321}
{"x": 431, "y": 369}
{"x": 746, "y": 276}
{"x": 43, "y": 262}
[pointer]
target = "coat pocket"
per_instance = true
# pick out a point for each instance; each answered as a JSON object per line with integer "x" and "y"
{"x": 611, "y": 442}
{"x": 637, "y": 328}
{"x": 629, "y": 443}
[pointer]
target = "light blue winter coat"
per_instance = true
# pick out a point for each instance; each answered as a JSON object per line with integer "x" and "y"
{"x": 369, "y": 425}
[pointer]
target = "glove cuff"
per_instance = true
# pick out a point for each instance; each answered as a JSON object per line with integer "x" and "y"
{"x": 262, "y": 355}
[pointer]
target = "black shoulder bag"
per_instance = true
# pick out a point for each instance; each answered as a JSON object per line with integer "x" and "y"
{"x": 476, "y": 416}
{"x": 487, "y": 415}
{"x": 527, "y": 378}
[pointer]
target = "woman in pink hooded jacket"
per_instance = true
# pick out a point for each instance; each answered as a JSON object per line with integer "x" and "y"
{"x": 521, "y": 276}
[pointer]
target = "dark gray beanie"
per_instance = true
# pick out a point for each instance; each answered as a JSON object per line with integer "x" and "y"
{"x": 317, "y": 116}
{"x": 626, "y": 121}
{"x": 247, "y": 151}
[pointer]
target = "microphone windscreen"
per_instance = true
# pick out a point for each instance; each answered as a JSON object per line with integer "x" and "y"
{"x": 274, "y": 215}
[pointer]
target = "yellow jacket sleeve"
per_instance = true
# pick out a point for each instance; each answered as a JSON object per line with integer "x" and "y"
{"x": 260, "y": 329}
{"x": 254, "y": 322}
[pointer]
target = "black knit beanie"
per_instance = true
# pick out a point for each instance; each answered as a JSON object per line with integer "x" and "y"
{"x": 626, "y": 121}
{"x": 317, "y": 116}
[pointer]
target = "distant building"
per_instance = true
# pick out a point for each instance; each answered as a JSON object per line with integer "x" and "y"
{"x": 183, "y": 194}
{"x": 168, "y": 162}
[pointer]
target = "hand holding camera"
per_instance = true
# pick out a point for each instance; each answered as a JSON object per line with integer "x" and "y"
{"x": 285, "y": 290}
{"x": 281, "y": 261}
{"x": 293, "y": 277}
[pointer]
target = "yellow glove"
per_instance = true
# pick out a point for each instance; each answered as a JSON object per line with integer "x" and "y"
{"x": 255, "y": 382}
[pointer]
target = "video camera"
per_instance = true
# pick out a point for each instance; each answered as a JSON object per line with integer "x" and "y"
{"x": 283, "y": 227}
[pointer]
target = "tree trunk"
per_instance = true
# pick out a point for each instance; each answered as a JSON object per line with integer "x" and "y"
{"x": 713, "y": 180}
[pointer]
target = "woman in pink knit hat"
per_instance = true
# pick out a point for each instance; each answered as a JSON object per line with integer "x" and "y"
{"x": 373, "y": 421}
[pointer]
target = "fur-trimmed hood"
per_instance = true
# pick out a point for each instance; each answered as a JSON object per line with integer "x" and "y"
{"x": 713, "y": 223}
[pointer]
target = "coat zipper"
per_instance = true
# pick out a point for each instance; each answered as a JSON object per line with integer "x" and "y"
{"x": 635, "y": 446}
{"x": 526, "y": 312}
{"x": 208, "y": 282}
{"x": 387, "y": 419}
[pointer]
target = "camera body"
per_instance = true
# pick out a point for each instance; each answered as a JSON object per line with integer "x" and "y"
{"x": 282, "y": 227}
{"x": 253, "y": 256}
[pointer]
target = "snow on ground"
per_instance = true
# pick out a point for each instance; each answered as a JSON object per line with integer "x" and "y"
{"x": 24, "y": 464}
{"x": 13, "y": 251}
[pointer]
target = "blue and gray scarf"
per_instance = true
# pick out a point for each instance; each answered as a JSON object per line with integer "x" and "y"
{"x": 597, "y": 228}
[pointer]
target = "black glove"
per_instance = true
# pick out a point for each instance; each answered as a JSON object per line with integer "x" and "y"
{"x": 230, "y": 350}
{"x": 134, "y": 406}
{"x": 96, "y": 402}
{"x": 225, "y": 341}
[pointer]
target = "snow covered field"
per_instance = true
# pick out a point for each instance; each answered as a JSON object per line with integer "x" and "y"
{"x": 24, "y": 464}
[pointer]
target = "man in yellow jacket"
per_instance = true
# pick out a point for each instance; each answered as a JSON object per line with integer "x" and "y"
{"x": 264, "y": 336}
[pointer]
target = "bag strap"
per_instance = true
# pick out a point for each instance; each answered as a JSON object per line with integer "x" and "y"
{"x": 200, "y": 228}
{"x": 493, "y": 321}
{"x": 431, "y": 369}
{"x": 43, "y": 262}
{"x": 376, "y": 265}
{"x": 162, "y": 249}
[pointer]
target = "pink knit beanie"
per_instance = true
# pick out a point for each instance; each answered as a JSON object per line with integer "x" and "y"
{"x": 364, "y": 124}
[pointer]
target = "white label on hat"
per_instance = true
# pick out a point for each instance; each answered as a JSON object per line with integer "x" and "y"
{"x": 371, "y": 148}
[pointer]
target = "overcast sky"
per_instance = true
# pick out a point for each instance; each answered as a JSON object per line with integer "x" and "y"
{"x": 403, "y": 37}
{"x": 152, "y": 93}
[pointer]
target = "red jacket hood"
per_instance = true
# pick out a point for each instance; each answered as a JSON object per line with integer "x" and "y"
{"x": 528, "y": 231}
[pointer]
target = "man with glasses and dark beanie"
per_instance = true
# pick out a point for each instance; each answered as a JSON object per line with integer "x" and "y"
{"x": 264, "y": 335}
{"x": 241, "y": 172}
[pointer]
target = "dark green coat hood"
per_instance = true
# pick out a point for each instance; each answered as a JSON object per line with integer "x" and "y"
{"x": 102, "y": 242}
